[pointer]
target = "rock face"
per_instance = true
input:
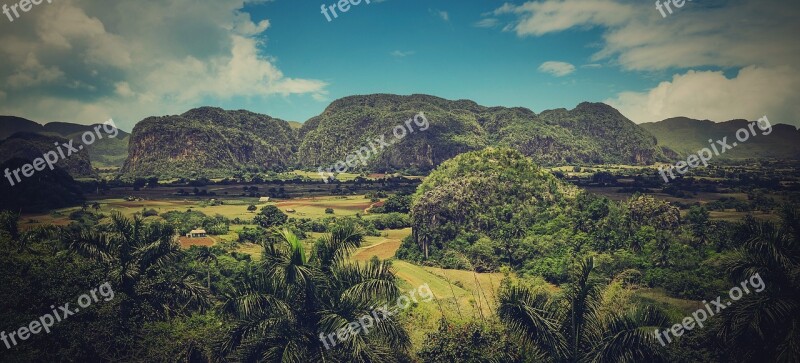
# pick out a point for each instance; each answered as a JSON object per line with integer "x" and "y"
{"x": 208, "y": 142}
{"x": 29, "y": 146}
{"x": 213, "y": 142}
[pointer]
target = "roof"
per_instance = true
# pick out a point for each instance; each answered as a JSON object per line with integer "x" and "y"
{"x": 197, "y": 231}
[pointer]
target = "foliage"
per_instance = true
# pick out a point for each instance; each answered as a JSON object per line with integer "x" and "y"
{"x": 270, "y": 216}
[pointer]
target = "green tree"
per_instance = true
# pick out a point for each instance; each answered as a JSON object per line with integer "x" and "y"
{"x": 585, "y": 325}
{"x": 136, "y": 257}
{"x": 294, "y": 299}
{"x": 698, "y": 219}
{"x": 763, "y": 325}
{"x": 270, "y": 216}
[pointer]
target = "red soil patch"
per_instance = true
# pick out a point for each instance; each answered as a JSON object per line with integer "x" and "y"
{"x": 187, "y": 242}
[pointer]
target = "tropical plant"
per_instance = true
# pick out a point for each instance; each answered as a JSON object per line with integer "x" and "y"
{"x": 137, "y": 258}
{"x": 584, "y": 325}
{"x": 765, "y": 325}
{"x": 295, "y": 300}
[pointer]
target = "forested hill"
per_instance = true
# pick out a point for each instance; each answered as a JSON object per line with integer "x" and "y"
{"x": 213, "y": 142}
{"x": 209, "y": 141}
{"x": 686, "y": 136}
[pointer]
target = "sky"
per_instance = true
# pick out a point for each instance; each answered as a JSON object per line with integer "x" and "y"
{"x": 86, "y": 61}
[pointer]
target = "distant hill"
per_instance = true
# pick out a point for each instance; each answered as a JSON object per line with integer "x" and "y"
{"x": 45, "y": 190}
{"x": 103, "y": 152}
{"x": 10, "y": 125}
{"x": 686, "y": 136}
{"x": 29, "y": 146}
{"x": 209, "y": 141}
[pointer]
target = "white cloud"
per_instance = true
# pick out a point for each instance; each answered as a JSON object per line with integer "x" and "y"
{"x": 131, "y": 60}
{"x": 401, "y": 54}
{"x": 442, "y": 14}
{"x": 753, "y": 93}
{"x": 487, "y": 23}
{"x": 738, "y": 34}
{"x": 558, "y": 69}
{"x": 751, "y": 37}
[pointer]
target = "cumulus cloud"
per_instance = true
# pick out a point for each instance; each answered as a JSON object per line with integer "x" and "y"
{"x": 89, "y": 60}
{"x": 697, "y": 42}
{"x": 752, "y": 93}
{"x": 558, "y": 69}
{"x": 739, "y": 34}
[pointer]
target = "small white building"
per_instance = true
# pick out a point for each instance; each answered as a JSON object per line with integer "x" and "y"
{"x": 263, "y": 200}
{"x": 197, "y": 233}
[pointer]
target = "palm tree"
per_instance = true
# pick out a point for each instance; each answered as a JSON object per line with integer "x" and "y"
{"x": 137, "y": 257}
{"x": 207, "y": 256}
{"x": 581, "y": 326}
{"x": 283, "y": 311}
{"x": 765, "y": 325}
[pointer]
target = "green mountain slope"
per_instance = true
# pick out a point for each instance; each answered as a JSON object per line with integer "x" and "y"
{"x": 475, "y": 200}
{"x": 29, "y": 146}
{"x": 687, "y": 136}
{"x": 103, "y": 152}
{"x": 591, "y": 133}
{"x": 209, "y": 142}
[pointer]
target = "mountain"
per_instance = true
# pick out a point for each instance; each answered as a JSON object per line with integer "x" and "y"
{"x": 209, "y": 141}
{"x": 10, "y": 125}
{"x": 353, "y": 122}
{"x": 45, "y": 190}
{"x": 687, "y": 136}
{"x": 591, "y": 133}
{"x": 464, "y": 207}
{"x": 29, "y": 146}
{"x": 103, "y": 152}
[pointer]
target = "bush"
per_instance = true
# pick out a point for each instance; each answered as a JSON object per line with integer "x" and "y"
{"x": 251, "y": 208}
{"x": 149, "y": 213}
{"x": 328, "y": 210}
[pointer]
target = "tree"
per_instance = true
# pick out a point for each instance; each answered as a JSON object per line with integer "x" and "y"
{"x": 270, "y": 216}
{"x": 251, "y": 208}
{"x": 763, "y": 325}
{"x": 207, "y": 256}
{"x": 96, "y": 206}
{"x": 586, "y": 325}
{"x": 294, "y": 299}
{"x": 328, "y": 210}
{"x": 698, "y": 222}
{"x": 137, "y": 256}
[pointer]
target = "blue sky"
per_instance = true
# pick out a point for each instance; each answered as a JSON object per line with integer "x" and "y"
{"x": 406, "y": 47}
{"x": 89, "y": 60}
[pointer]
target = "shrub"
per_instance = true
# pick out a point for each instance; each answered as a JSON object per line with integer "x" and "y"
{"x": 328, "y": 210}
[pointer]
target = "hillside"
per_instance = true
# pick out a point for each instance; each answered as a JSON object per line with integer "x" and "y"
{"x": 29, "y": 146}
{"x": 352, "y": 122}
{"x": 209, "y": 142}
{"x": 685, "y": 136}
{"x": 469, "y": 206}
{"x": 589, "y": 134}
{"x": 103, "y": 152}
